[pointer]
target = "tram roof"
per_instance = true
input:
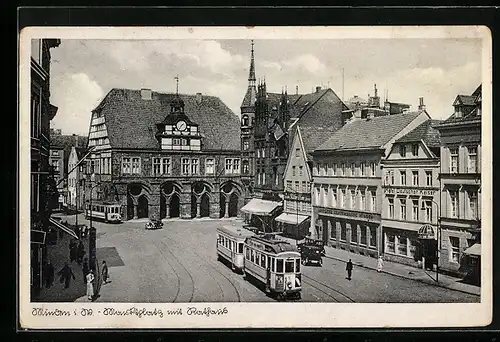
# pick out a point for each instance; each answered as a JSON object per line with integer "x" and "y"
{"x": 236, "y": 231}
{"x": 275, "y": 245}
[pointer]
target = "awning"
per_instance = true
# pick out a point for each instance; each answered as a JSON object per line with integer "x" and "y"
{"x": 63, "y": 227}
{"x": 260, "y": 207}
{"x": 291, "y": 218}
{"x": 475, "y": 249}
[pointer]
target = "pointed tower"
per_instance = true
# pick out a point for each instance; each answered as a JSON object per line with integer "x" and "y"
{"x": 247, "y": 120}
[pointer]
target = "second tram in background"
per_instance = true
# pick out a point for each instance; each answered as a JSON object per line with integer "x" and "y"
{"x": 272, "y": 262}
{"x": 105, "y": 211}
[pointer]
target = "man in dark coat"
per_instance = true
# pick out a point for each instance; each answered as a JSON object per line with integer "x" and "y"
{"x": 72, "y": 250}
{"x": 105, "y": 273}
{"x": 66, "y": 273}
{"x": 48, "y": 274}
{"x": 349, "y": 269}
{"x": 85, "y": 269}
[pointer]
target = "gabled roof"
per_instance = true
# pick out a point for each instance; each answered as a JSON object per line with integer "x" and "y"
{"x": 131, "y": 121}
{"x": 368, "y": 133}
{"x": 465, "y": 100}
{"x": 250, "y": 97}
{"x": 66, "y": 142}
{"x": 472, "y": 115}
{"x": 426, "y": 132}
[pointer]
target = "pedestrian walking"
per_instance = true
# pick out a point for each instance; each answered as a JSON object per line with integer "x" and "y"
{"x": 105, "y": 273}
{"x": 380, "y": 264}
{"x": 90, "y": 285}
{"x": 80, "y": 252}
{"x": 85, "y": 269}
{"x": 349, "y": 269}
{"x": 66, "y": 273}
{"x": 48, "y": 273}
{"x": 72, "y": 250}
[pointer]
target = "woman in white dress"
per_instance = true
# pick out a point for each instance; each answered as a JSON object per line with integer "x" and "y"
{"x": 380, "y": 264}
{"x": 90, "y": 285}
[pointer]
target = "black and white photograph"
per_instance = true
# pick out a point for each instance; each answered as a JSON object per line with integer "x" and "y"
{"x": 279, "y": 167}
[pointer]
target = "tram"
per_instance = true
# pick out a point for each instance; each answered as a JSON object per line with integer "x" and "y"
{"x": 274, "y": 263}
{"x": 105, "y": 211}
{"x": 230, "y": 245}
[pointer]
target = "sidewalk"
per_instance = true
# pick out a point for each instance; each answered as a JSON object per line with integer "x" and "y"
{"x": 400, "y": 270}
{"x": 58, "y": 254}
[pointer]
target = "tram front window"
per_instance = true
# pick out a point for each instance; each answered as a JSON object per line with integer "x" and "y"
{"x": 240, "y": 248}
{"x": 297, "y": 265}
{"x": 279, "y": 265}
{"x": 289, "y": 266}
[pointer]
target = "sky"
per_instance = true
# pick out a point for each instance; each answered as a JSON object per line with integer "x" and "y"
{"x": 84, "y": 71}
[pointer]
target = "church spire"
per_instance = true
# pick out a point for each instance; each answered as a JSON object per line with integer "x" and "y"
{"x": 251, "y": 75}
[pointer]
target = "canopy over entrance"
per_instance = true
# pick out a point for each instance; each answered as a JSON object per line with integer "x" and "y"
{"x": 475, "y": 250}
{"x": 260, "y": 207}
{"x": 427, "y": 232}
{"x": 291, "y": 218}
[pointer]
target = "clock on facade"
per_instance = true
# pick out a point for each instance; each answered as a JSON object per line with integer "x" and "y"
{"x": 181, "y": 125}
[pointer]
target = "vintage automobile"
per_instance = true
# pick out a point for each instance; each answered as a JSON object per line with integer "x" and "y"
{"x": 154, "y": 224}
{"x": 311, "y": 251}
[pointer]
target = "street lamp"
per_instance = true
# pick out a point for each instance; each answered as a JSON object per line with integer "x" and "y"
{"x": 438, "y": 235}
{"x": 92, "y": 235}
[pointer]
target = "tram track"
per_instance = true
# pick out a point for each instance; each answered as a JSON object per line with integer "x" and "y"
{"x": 185, "y": 269}
{"x": 175, "y": 272}
{"x": 238, "y": 295}
{"x": 326, "y": 286}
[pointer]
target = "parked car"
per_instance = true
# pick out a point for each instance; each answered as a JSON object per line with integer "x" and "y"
{"x": 311, "y": 251}
{"x": 154, "y": 224}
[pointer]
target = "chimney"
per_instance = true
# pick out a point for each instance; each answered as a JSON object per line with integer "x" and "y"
{"x": 421, "y": 105}
{"x": 146, "y": 94}
{"x": 318, "y": 88}
{"x": 76, "y": 139}
{"x": 296, "y": 90}
{"x": 198, "y": 97}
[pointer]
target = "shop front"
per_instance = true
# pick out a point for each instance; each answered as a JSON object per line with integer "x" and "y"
{"x": 261, "y": 213}
{"x": 294, "y": 225}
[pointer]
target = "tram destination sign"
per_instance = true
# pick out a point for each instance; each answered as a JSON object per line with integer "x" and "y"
{"x": 407, "y": 191}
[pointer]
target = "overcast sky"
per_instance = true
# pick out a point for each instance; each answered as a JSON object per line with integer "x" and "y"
{"x": 84, "y": 71}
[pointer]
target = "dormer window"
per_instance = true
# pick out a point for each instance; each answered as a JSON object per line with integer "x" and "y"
{"x": 244, "y": 121}
{"x": 458, "y": 111}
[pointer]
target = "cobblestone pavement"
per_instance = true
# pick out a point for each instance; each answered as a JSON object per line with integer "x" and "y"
{"x": 178, "y": 264}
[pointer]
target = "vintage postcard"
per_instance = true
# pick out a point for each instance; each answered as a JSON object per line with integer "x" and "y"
{"x": 265, "y": 177}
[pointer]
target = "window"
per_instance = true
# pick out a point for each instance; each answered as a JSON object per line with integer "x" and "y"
{"x": 362, "y": 169}
{"x": 333, "y": 232}
{"x": 297, "y": 186}
{"x": 402, "y": 177}
{"x": 334, "y": 169}
{"x": 289, "y": 266}
{"x": 373, "y": 236}
{"x": 136, "y": 165}
{"x": 297, "y": 152}
{"x": 304, "y": 186}
{"x": 453, "y": 203}
{"x": 236, "y": 166}
{"x": 389, "y": 177}
{"x": 258, "y": 153}
{"x": 427, "y": 211}
{"x": 362, "y": 235}
{"x": 301, "y": 170}
{"x": 252, "y": 255}
{"x": 55, "y": 165}
{"x": 246, "y": 167}
{"x": 472, "y": 167}
{"x": 411, "y": 248}
{"x": 414, "y": 212}
{"x": 414, "y": 177}
{"x": 176, "y": 141}
{"x": 353, "y": 169}
{"x": 390, "y": 207}
{"x": 402, "y": 245}
{"x": 185, "y": 166}
{"x": 373, "y": 169}
{"x": 473, "y": 205}
{"x": 293, "y": 171}
{"x": 342, "y": 169}
{"x": 156, "y": 166}
{"x": 453, "y": 160}
{"x": 125, "y": 165}
{"x": 373, "y": 200}
{"x": 279, "y": 265}
{"x": 263, "y": 153}
{"x": 334, "y": 197}
{"x": 351, "y": 199}
{"x": 289, "y": 185}
{"x": 209, "y": 166}
{"x": 343, "y": 232}
{"x": 342, "y": 198}
{"x": 455, "y": 249}
{"x": 246, "y": 145}
{"x": 263, "y": 260}
{"x": 35, "y": 113}
{"x": 362, "y": 200}
{"x": 402, "y": 150}
{"x": 194, "y": 166}
{"x": 272, "y": 264}
{"x": 428, "y": 178}
{"x": 297, "y": 265}
{"x": 389, "y": 243}
{"x": 414, "y": 150}
{"x": 354, "y": 233}
{"x": 402, "y": 209}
